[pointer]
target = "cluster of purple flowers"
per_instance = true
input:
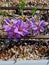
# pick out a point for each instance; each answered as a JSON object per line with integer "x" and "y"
{"x": 18, "y": 28}
{"x": 37, "y": 27}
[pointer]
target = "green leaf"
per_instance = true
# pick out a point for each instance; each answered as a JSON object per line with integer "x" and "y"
{"x": 22, "y": 5}
{"x": 4, "y": 14}
{"x": 7, "y": 0}
{"x": 33, "y": 10}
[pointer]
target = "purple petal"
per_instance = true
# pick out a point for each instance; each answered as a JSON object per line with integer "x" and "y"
{"x": 25, "y": 26}
{"x": 35, "y": 27}
{"x": 25, "y": 32}
{"x": 15, "y": 30}
{"x": 41, "y": 29}
{"x": 15, "y": 21}
{"x": 35, "y": 32}
{"x": 6, "y": 28}
{"x": 7, "y": 21}
{"x": 19, "y": 23}
{"x": 10, "y": 35}
{"x": 12, "y": 30}
{"x": 17, "y": 36}
{"x": 33, "y": 20}
{"x": 18, "y": 32}
{"x": 43, "y": 23}
{"x": 29, "y": 22}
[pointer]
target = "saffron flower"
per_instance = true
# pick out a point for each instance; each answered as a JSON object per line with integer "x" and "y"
{"x": 39, "y": 27}
{"x": 16, "y": 28}
{"x": 30, "y": 22}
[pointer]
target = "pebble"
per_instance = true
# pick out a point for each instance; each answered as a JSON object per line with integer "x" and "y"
{"x": 24, "y": 52}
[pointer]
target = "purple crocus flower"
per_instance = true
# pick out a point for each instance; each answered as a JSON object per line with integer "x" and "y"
{"x": 36, "y": 26}
{"x": 39, "y": 27}
{"x": 30, "y": 23}
{"x": 21, "y": 28}
{"x": 15, "y": 29}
